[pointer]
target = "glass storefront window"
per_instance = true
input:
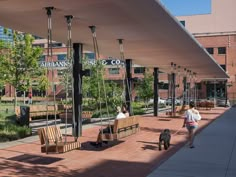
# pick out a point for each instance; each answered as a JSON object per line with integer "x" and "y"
{"x": 61, "y": 57}
{"x": 139, "y": 70}
{"x": 114, "y": 70}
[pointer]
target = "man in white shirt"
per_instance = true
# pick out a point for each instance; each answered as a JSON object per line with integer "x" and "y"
{"x": 109, "y": 128}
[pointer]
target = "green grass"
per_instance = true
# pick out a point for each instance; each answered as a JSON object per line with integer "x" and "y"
{"x": 9, "y": 129}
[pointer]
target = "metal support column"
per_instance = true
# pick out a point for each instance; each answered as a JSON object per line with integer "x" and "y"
{"x": 173, "y": 92}
{"x": 185, "y": 88}
{"x": 195, "y": 93}
{"x": 226, "y": 94}
{"x": 214, "y": 93}
{"x": 128, "y": 86}
{"x": 77, "y": 89}
{"x": 169, "y": 86}
{"x": 156, "y": 91}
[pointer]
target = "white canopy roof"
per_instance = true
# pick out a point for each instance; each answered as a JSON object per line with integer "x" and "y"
{"x": 152, "y": 37}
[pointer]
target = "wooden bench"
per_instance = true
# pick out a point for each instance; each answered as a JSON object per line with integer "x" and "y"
{"x": 52, "y": 141}
{"x": 122, "y": 128}
{"x": 38, "y": 110}
{"x": 86, "y": 116}
{"x": 179, "y": 111}
{"x": 205, "y": 104}
{"x": 5, "y": 99}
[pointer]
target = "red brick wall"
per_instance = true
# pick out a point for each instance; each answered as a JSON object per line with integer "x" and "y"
{"x": 228, "y": 41}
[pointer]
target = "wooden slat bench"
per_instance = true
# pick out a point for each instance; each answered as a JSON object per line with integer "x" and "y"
{"x": 5, "y": 99}
{"x": 52, "y": 136}
{"x": 122, "y": 128}
{"x": 179, "y": 111}
{"x": 38, "y": 110}
{"x": 86, "y": 116}
{"x": 205, "y": 104}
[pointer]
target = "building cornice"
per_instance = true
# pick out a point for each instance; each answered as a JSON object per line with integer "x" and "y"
{"x": 214, "y": 34}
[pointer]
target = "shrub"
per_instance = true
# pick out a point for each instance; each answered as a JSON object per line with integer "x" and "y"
{"x": 23, "y": 131}
{"x": 97, "y": 114}
{"x": 8, "y": 136}
{"x": 9, "y": 130}
{"x": 138, "y": 111}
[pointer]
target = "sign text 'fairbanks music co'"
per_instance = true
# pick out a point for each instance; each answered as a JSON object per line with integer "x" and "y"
{"x": 55, "y": 64}
{"x": 66, "y": 64}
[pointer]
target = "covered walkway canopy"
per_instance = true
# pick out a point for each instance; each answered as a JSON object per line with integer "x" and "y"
{"x": 152, "y": 37}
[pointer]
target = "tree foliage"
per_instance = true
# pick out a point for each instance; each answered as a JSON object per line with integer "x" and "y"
{"x": 20, "y": 63}
{"x": 100, "y": 90}
{"x": 95, "y": 89}
{"x": 145, "y": 87}
{"x": 3, "y": 50}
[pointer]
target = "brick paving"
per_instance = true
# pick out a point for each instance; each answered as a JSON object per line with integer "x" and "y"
{"x": 133, "y": 156}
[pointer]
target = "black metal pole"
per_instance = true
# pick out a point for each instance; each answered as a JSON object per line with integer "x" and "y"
{"x": 77, "y": 89}
{"x": 185, "y": 88}
{"x": 69, "y": 58}
{"x": 173, "y": 92}
{"x": 156, "y": 91}
{"x": 226, "y": 90}
{"x": 128, "y": 88}
{"x": 169, "y": 86}
{"x": 226, "y": 94}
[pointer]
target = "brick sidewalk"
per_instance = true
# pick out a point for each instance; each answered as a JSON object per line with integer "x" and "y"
{"x": 134, "y": 156}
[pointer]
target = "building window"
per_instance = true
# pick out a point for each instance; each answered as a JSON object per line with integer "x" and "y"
{"x": 37, "y": 37}
{"x": 38, "y": 93}
{"x": 2, "y": 91}
{"x": 61, "y": 57}
{"x": 38, "y": 45}
{"x": 164, "y": 86}
{"x": 221, "y": 50}
{"x": 210, "y": 50}
{"x": 54, "y": 88}
{"x": 89, "y": 56}
{"x": 55, "y": 45}
{"x": 60, "y": 73}
{"x": 42, "y": 58}
{"x": 223, "y": 67}
{"x": 139, "y": 70}
{"x": 199, "y": 86}
{"x": 182, "y": 22}
{"x": 6, "y": 34}
{"x": 114, "y": 70}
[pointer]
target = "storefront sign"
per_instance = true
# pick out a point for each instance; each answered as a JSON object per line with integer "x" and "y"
{"x": 65, "y": 64}
{"x": 55, "y": 64}
{"x": 107, "y": 62}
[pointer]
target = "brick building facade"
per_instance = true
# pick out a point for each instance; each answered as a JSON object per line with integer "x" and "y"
{"x": 215, "y": 31}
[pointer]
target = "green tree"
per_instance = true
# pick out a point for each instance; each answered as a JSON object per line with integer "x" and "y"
{"x": 95, "y": 89}
{"x": 20, "y": 63}
{"x": 145, "y": 87}
{"x": 2, "y": 79}
{"x": 2, "y": 84}
{"x": 100, "y": 90}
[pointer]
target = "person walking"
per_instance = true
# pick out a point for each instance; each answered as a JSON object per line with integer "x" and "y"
{"x": 191, "y": 119}
{"x": 30, "y": 98}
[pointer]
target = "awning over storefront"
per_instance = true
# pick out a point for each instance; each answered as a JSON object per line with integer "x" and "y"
{"x": 152, "y": 37}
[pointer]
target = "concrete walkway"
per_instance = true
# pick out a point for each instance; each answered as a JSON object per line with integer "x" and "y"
{"x": 214, "y": 155}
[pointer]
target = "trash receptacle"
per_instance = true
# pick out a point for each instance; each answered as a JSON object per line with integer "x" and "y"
{"x": 24, "y": 115}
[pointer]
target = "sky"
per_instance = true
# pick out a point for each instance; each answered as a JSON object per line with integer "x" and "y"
{"x": 187, "y": 7}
